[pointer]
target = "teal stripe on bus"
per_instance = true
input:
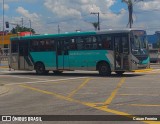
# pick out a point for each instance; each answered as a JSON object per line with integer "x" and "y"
{"x": 87, "y": 58}
{"x": 75, "y": 59}
{"x": 146, "y": 61}
{"x": 48, "y": 58}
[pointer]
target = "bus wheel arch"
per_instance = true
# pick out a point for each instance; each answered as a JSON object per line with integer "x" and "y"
{"x": 104, "y": 68}
{"x": 40, "y": 68}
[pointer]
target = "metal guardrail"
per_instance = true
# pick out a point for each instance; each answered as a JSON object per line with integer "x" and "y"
{"x": 4, "y": 54}
{"x": 4, "y": 58}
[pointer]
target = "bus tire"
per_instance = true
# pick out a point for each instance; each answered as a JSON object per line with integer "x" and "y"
{"x": 40, "y": 69}
{"x": 120, "y": 72}
{"x": 104, "y": 69}
{"x": 57, "y": 72}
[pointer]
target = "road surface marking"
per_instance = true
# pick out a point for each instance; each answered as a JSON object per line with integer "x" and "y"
{"x": 43, "y": 81}
{"x": 79, "y": 87}
{"x": 102, "y": 108}
{"x": 139, "y": 105}
{"x": 139, "y": 94}
{"x": 113, "y": 94}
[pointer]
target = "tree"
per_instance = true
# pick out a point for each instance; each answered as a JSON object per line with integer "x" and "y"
{"x": 130, "y": 10}
{"x": 21, "y": 29}
{"x": 95, "y": 25}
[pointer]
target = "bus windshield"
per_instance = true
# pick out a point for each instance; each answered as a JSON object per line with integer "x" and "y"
{"x": 138, "y": 43}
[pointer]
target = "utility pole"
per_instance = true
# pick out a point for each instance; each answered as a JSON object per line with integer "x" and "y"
{"x": 97, "y": 13}
{"x": 59, "y": 30}
{"x": 3, "y": 24}
{"x": 22, "y": 22}
{"x": 30, "y": 25}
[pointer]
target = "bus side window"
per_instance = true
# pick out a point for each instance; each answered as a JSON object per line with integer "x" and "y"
{"x": 52, "y": 45}
{"x": 66, "y": 46}
{"x": 99, "y": 42}
{"x": 34, "y": 46}
{"x": 125, "y": 44}
{"x": 80, "y": 43}
{"x": 106, "y": 41}
{"x": 47, "y": 45}
{"x": 42, "y": 45}
{"x": 72, "y": 44}
{"x": 90, "y": 43}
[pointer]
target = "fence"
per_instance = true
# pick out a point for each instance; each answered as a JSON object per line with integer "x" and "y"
{"x": 4, "y": 56}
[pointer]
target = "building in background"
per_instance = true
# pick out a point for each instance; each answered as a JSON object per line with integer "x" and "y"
{"x": 6, "y": 40}
{"x": 154, "y": 47}
{"x": 154, "y": 40}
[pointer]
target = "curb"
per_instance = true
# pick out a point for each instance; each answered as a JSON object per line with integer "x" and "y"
{"x": 143, "y": 70}
{"x": 4, "y": 67}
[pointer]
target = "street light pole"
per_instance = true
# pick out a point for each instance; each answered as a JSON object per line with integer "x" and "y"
{"x": 97, "y": 13}
{"x": 3, "y": 24}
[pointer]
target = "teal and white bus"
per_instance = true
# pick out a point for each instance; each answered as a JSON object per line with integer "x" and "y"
{"x": 103, "y": 51}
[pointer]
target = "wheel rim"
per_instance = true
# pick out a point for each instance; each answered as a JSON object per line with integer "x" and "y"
{"x": 40, "y": 69}
{"x": 103, "y": 69}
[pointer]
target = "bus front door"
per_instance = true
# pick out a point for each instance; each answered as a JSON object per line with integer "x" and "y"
{"x": 62, "y": 56}
{"x": 121, "y": 53}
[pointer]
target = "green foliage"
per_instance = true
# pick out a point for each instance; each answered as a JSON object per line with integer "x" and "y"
{"x": 21, "y": 29}
{"x": 158, "y": 44}
{"x": 95, "y": 25}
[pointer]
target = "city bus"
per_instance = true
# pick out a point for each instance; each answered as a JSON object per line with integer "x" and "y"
{"x": 106, "y": 51}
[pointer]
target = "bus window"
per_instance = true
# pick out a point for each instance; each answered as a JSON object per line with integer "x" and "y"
{"x": 91, "y": 42}
{"x": 49, "y": 45}
{"x": 66, "y": 46}
{"x": 72, "y": 44}
{"x": 52, "y": 45}
{"x": 14, "y": 48}
{"x": 125, "y": 44}
{"x": 42, "y": 45}
{"x": 80, "y": 43}
{"x": 106, "y": 42}
{"x": 34, "y": 46}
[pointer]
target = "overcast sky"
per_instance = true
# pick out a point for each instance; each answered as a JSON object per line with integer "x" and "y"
{"x": 72, "y": 15}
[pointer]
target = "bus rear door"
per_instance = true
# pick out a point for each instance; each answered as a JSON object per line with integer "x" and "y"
{"x": 62, "y": 55}
{"x": 24, "y": 60}
{"x": 121, "y": 52}
{"x": 14, "y": 55}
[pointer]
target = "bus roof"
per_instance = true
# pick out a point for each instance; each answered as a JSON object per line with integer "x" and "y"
{"x": 53, "y": 35}
{"x": 48, "y": 36}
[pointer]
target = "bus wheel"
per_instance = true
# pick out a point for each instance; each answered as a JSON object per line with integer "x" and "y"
{"x": 40, "y": 69}
{"x": 104, "y": 69}
{"x": 120, "y": 72}
{"x": 57, "y": 72}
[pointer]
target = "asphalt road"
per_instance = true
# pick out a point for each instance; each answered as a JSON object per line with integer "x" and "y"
{"x": 80, "y": 93}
